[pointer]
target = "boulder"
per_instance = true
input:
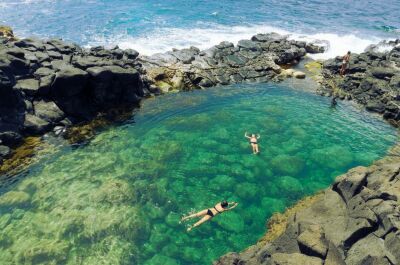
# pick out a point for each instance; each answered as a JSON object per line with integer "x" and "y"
{"x": 60, "y": 46}
{"x": 395, "y": 81}
{"x": 110, "y": 85}
{"x": 334, "y": 257}
{"x": 312, "y": 242}
{"x": 16, "y": 52}
{"x": 186, "y": 56}
{"x": 248, "y": 45}
{"x": 33, "y": 44}
{"x": 48, "y": 111}
{"x": 269, "y": 37}
{"x": 369, "y": 246}
{"x": 131, "y": 54}
{"x": 45, "y": 83}
{"x": 69, "y": 81}
{"x": 29, "y": 86}
{"x": 376, "y": 106}
{"x": 4, "y": 151}
{"x": 224, "y": 45}
{"x": 349, "y": 184}
{"x": 299, "y": 75}
{"x": 14, "y": 65}
{"x": 382, "y": 72}
{"x": 42, "y": 72}
{"x": 235, "y": 60}
{"x": 10, "y": 138}
{"x": 312, "y": 48}
{"x": 392, "y": 246}
{"x": 35, "y": 125}
{"x": 293, "y": 259}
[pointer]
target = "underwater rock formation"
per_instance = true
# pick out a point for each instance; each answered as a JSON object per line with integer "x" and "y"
{"x": 356, "y": 221}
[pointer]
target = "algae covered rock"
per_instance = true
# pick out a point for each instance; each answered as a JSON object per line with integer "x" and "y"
{"x": 44, "y": 251}
{"x": 289, "y": 186}
{"x": 328, "y": 156}
{"x": 14, "y": 199}
{"x": 247, "y": 190}
{"x": 114, "y": 191}
{"x": 161, "y": 260}
{"x": 172, "y": 219}
{"x": 272, "y": 205}
{"x": 222, "y": 182}
{"x": 287, "y": 165}
{"x": 231, "y": 221}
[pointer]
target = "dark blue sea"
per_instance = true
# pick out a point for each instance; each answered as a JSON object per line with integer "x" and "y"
{"x": 152, "y": 26}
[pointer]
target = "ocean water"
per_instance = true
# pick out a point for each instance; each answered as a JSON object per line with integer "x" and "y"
{"x": 119, "y": 198}
{"x": 153, "y": 26}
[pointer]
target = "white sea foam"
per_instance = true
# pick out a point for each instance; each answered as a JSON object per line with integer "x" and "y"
{"x": 165, "y": 39}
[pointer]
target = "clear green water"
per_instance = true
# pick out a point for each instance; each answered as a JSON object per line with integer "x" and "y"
{"x": 118, "y": 199}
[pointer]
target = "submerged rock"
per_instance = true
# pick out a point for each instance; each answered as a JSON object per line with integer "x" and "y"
{"x": 14, "y": 199}
{"x": 287, "y": 165}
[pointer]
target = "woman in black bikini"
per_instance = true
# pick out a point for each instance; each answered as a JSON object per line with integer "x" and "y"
{"x": 210, "y": 213}
{"x": 253, "y": 142}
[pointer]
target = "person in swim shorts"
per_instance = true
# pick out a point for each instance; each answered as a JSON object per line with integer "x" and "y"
{"x": 210, "y": 213}
{"x": 345, "y": 63}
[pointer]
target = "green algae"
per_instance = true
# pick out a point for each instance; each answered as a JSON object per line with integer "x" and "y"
{"x": 119, "y": 198}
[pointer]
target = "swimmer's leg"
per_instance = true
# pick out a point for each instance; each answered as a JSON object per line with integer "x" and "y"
{"x": 253, "y": 146}
{"x": 202, "y": 220}
{"x": 257, "y": 150}
{"x": 198, "y": 214}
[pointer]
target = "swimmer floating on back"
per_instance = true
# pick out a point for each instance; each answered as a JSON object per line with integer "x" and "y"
{"x": 253, "y": 141}
{"x": 210, "y": 213}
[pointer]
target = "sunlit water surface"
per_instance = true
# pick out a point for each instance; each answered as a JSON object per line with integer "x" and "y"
{"x": 119, "y": 198}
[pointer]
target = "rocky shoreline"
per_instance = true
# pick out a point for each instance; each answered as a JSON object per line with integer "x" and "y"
{"x": 372, "y": 80}
{"x": 356, "y": 221}
{"x": 50, "y": 85}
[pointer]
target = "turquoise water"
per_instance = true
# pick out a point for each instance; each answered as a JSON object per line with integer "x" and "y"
{"x": 118, "y": 199}
{"x": 155, "y": 25}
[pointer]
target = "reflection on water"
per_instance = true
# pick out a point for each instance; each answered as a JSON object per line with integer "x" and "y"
{"x": 118, "y": 200}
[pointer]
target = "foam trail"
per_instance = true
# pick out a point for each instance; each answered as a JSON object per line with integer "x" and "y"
{"x": 165, "y": 39}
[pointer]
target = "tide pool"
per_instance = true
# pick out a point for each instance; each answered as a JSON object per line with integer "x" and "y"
{"x": 118, "y": 199}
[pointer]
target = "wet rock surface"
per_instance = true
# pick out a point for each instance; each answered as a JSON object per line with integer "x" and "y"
{"x": 356, "y": 221}
{"x": 372, "y": 79}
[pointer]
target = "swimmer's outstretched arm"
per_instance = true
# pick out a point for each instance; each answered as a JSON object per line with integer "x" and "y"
{"x": 258, "y": 136}
{"x": 234, "y": 204}
{"x": 245, "y": 135}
